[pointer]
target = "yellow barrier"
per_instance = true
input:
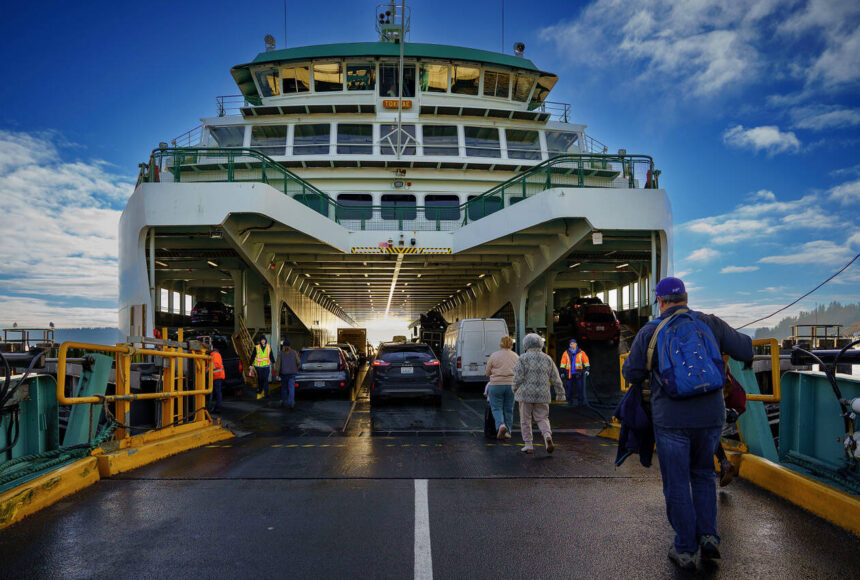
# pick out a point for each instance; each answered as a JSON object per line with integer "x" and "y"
{"x": 621, "y": 359}
{"x": 775, "y": 375}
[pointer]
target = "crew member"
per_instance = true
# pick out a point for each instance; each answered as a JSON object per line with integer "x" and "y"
{"x": 218, "y": 378}
{"x": 574, "y": 366}
{"x": 686, "y": 430}
{"x": 263, "y": 358}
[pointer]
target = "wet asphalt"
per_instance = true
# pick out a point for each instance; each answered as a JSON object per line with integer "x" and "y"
{"x": 329, "y": 491}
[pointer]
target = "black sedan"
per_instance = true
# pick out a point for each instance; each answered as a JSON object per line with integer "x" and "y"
{"x": 405, "y": 370}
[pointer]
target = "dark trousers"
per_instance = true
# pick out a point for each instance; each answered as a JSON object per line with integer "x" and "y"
{"x": 687, "y": 466}
{"x": 216, "y": 392}
{"x": 575, "y": 382}
{"x": 262, "y": 380}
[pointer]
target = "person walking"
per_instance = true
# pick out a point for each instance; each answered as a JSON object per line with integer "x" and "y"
{"x": 500, "y": 370}
{"x": 575, "y": 366}
{"x": 288, "y": 368}
{"x": 263, "y": 358}
{"x": 534, "y": 374}
{"x": 218, "y": 376}
{"x": 683, "y": 381}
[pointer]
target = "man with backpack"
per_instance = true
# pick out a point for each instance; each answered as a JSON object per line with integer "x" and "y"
{"x": 677, "y": 361}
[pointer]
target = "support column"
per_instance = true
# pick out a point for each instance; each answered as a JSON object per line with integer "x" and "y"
{"x": 238, "y": 297}
{"x": 549, "y": 303}
{"x": 520, "y": 305}
{"x": 275, "y": 318}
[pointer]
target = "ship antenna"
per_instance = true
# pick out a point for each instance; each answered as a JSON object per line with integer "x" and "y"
{"x": 503, "y": 25}
{"x": 400, "y": 83}
{"x": 285, "y": 23}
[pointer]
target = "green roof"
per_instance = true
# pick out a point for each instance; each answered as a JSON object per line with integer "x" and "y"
{"x": 241, "y": 73}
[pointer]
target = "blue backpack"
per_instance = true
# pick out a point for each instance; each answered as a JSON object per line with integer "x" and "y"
{"x": 690, "y": 362}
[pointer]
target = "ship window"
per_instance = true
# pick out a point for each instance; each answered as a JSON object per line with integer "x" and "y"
{"x": 465, "y": 80}
{"x": 441, "y": 140}
{"x": 269, "y": 139}
{"x": 482, "y": 142}
{"x": 358, "y": 206}
{"x": 479, "y": 206}
{"x": 523, "y": 144}
{"x": 360, "y": 76}
{"x": 295, "y": 79}
{"x": 442, "y": 207}
{"x": 388, "y": 139}
{"x": 398, "y": 207}
{"x": 434, "y": 78}
{"x": 523, "y": 86}
{"x": 560, "y": 143}
{"x": 388, "y": 75}
{"x": 228, "y": 136}
{"x": 267, "y": 80}
{"x": 496, "y": 84}
{"x": 328, "y": 77}
{"x": 354, "y": 139}
{"x": 312, "y": 139}
{"x": 544, "y": 86}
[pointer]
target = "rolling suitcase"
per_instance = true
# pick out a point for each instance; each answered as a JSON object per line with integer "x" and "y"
{"x": 490, "y": 430}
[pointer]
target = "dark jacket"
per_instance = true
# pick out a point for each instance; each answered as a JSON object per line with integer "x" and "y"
{"x": 289, "y": 364}
{"x": 706, "y": 410}
{"x": 637, "y": 432}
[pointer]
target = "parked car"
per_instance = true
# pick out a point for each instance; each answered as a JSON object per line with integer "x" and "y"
{"x": 403, "y": 369}
{"x": 597, "y": 322}
{"x": 351, "y": 354}
{"x": 324, "y": 369}
{"x": 467, "y": 346}
{"x": 232, "y": 364}
{"x": 213, "y": 313}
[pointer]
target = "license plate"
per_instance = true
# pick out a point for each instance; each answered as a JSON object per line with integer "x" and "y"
{"x": 319, "y": 383}
{"x": 473, "y": 366}
{"x": 601, "y": 328}
{"x": 405, "y": 370}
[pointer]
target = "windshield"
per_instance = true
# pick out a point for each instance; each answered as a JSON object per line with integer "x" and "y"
{"x": 599, "y": 316}
{"x": 417, "y": 356}
{"x": 320, "y": 355}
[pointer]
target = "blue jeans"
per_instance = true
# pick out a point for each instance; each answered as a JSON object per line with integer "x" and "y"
{"x": 576, "y": 381}
{"x": 687, "y": 464}
{"x": 288, "y": 389}
{"x": 502, "y": 405}
{"x": 262, "y": 380}
{"x": 216, "y": 392}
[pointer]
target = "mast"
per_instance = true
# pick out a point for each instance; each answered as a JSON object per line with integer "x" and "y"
{"x": 400, "y": 81}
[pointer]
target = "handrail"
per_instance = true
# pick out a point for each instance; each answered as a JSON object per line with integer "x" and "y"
{"x": 568, "y": 170}
{"x": 775, "y": 374}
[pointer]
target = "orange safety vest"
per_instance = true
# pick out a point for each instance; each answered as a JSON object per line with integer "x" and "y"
{"x": 579, "y": 364}
{"x": 261, "y": 357}
{"x": 218, "y": 366}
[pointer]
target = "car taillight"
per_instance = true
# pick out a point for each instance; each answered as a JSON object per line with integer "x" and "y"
{"x": 240, "y": 367}
{"x": 194, "y": 311}
{"x": 380, "y": 363}
{"x": 617, "y": 324}
{"x": 459, "y": 362}
{"x": 432, "y": 363}
{"x": 342, "y": 384}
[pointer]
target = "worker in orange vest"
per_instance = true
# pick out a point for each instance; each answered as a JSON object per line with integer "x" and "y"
{"x": 218, "y": 378}
{"x": 574, "y": 368}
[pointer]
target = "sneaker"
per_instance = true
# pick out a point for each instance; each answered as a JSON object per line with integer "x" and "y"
{"x": 727, "y": 473}
{"x": 710, "y": 547}
{"x": 502, "y": 431}
{"x": 550, "y": 447}
{"x": 528, "y": 448}
{"x": 684, "y": 560}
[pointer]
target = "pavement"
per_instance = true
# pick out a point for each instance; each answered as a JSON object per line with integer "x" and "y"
{"x": 336, "y": 489}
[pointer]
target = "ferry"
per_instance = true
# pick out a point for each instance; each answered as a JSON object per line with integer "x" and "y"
{"x": 350, "y": 184}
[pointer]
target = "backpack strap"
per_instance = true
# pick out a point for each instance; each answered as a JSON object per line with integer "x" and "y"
{"x": 652, "y": 346}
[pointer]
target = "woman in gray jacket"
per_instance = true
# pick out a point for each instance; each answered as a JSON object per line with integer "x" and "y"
{"x": 534, "y": 373}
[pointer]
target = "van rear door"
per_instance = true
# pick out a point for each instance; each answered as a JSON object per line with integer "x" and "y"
{"x": 472, "y": 350}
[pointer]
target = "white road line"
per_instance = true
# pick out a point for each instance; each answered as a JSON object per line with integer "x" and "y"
{"x": 423, "y": 557}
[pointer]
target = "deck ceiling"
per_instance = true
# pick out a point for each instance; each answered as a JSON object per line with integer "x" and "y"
{"x": 361, "y": 284}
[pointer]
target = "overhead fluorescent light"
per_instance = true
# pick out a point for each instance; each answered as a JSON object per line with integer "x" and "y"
{"x": 621, "y": 266}
{"x": 211, "y": 263}
{"x": 575, "y": 265}
{"x": 160, "y": 263}
{"x": 307, "y": 275}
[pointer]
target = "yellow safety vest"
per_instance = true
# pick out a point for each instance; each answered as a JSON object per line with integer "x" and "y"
{"x": 262, "y": 357}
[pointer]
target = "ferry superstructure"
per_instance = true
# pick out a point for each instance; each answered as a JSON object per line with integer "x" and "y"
{"x": 340, "y": 194}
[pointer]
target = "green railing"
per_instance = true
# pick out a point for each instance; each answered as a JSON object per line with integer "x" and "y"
{"x": 204, "y": 164}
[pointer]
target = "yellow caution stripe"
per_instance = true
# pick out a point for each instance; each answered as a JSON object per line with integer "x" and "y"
{"x": 390, "y": 250}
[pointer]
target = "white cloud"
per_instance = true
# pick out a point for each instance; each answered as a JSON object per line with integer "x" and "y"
{"x": 815, "y": 252}
{"x": 766, "y": 138}
{"x": 738, "y": 269}
{"x": 820, "y": 118}
{"x": 765, "y": 195}
{"x": 846, "y": 193}
{"x": 39, "y": 312}
{"x": 60, "y": 228}
{"x": 702, "y": 255}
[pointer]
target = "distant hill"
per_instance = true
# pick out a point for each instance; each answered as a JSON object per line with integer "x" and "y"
{"x": 105, "y": 335}
{"x": 848, "y": 315}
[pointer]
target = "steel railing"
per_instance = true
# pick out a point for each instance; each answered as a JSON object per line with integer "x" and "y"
{"x": 557, "y": 111}
{"x": 230, "y": 104}
{"x": 205, "y": 164}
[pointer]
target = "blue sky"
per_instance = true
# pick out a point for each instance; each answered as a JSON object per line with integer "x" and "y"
{"x": 750, "y": 109}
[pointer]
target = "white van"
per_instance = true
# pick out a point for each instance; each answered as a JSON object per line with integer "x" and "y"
{"x": 468, "y": 344}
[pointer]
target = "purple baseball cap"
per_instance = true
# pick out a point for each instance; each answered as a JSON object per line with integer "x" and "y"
{"x": 668, "y": 286}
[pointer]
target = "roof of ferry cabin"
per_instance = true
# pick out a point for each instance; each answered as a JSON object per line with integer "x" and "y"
{"x": 242, "y": 72}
